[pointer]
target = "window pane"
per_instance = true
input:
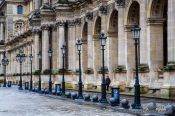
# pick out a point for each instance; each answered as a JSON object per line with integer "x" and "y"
{"x": 20, "y": 9}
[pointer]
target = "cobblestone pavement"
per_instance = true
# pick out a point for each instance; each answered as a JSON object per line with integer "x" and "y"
{"x": 18, "y": 103}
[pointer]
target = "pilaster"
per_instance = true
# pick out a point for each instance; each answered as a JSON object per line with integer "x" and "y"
{"x": 45, "y": 46}
{"x": 155, "y": 47}
{"x": 129, "y": 53}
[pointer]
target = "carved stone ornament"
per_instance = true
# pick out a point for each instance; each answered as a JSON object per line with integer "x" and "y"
{"x": 89, "y": 15}
{"x": 78, "y": 21}
{"x": 54, "y": 26}
{"x": 45, "y": 27}
{"x": 61, "y": 23}
{"x": 71, "y": 23}
{"x": 120, "y": 2}
{"x": 36, "y": 31}
{"x": 36, "y": 14}
{"x": 103, "y": 9}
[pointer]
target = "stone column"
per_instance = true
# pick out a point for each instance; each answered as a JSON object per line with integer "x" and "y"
{"x": 97, "y": 55}
{"x": 45, "y": 1}
{"x": 45, "y": 47}
{"x": 2, "y": 31}
{"x": 130, "y": 54}
{"x": 15, "y": 62}
{"x": 36, "y": 48}
{"x": 61, "y": 35}
{"x": 90, "y": 45}
{"x": 26, "y": 60}
{"x": 12, "y": 62}
{"x": 1, "y": 57}
{"x": 155, "y": 47}
{"x": 112, "y": 52}
{"x": 77, "y": 36}
{"x": 54, "y": 47}
{"x": 171, "y": 31}
{"x": 84, "y": 55}
{"x": 121, "y": 38}
{"x": 71, "y": 47}
{"x": 37, "y": 3}
{"x": 143, "y": 33}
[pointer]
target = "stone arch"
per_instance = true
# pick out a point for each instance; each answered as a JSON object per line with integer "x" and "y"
{"x": 133, "y": 13}
{"x": 85, "y": 31}
{"x": 97, "y": 26}
{"x": 96, "y": 48}
{"x": 85, "y": 46}
{"x": 134, "y": 17}
{"x": 156, "y": 8}
{"x": 157, "y": 38}
{"x": 112, "y": 42}
{"x": 113, "y": 22}
{"x": 159, "y": 12}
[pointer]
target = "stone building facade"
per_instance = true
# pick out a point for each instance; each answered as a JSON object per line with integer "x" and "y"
{"x": 45, "y": 24}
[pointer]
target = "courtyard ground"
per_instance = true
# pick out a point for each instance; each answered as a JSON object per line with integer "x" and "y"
{"x": 20, "y": 103}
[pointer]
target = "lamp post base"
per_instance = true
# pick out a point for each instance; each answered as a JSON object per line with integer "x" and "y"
{"x": 80, "y": 91}
{"x": 20, "y": 88}
{"x": 136, "y": 106}
{"x": 63, "y": 89}
{"x": 103, "y": 100}
{"x": 4, "y": 85}
{"x": 50, "y": 87}
{"x": 80, "y": 97}
{"x": 103, "y": 96}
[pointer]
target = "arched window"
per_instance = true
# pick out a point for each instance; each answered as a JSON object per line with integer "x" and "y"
{"x": 20, "y": 9}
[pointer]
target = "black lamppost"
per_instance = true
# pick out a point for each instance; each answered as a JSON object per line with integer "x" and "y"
{"x": 80, "y": 83}
{"x": 20, "y": 57}
{"x": 63, "y": 81}
{"x": 31, "y": 80}
{"x": 103, "y": 84}
{"x": 5, "y": 62}
{"x": 136, "y": 36}
{"x": 50, "y": 72}
{"x": 39, "y": 81}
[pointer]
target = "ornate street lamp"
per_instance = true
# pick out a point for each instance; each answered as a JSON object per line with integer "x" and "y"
{"x": 80, "y": 90}
{"x": 103, "y": 84}
{"x": 20, "y": 57}
{"x": 136, "y": 36}
{"x": 50, "y": 72}
{"x": 63, "y": 49}
{"x": 39, "y": 81}
{"x": 31, "y": 80}
{"x": 5, "y": 62}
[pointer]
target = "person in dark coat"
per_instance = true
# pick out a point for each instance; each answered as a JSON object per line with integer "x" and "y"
{"x": 108, "y": 81}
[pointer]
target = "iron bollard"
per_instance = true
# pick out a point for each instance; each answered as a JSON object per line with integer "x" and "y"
{"x": 26, "y": 85}
{"x": 58, "y": 89}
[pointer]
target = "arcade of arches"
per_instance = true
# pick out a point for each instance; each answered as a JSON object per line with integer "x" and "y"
{"x": 68, "y": 23}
